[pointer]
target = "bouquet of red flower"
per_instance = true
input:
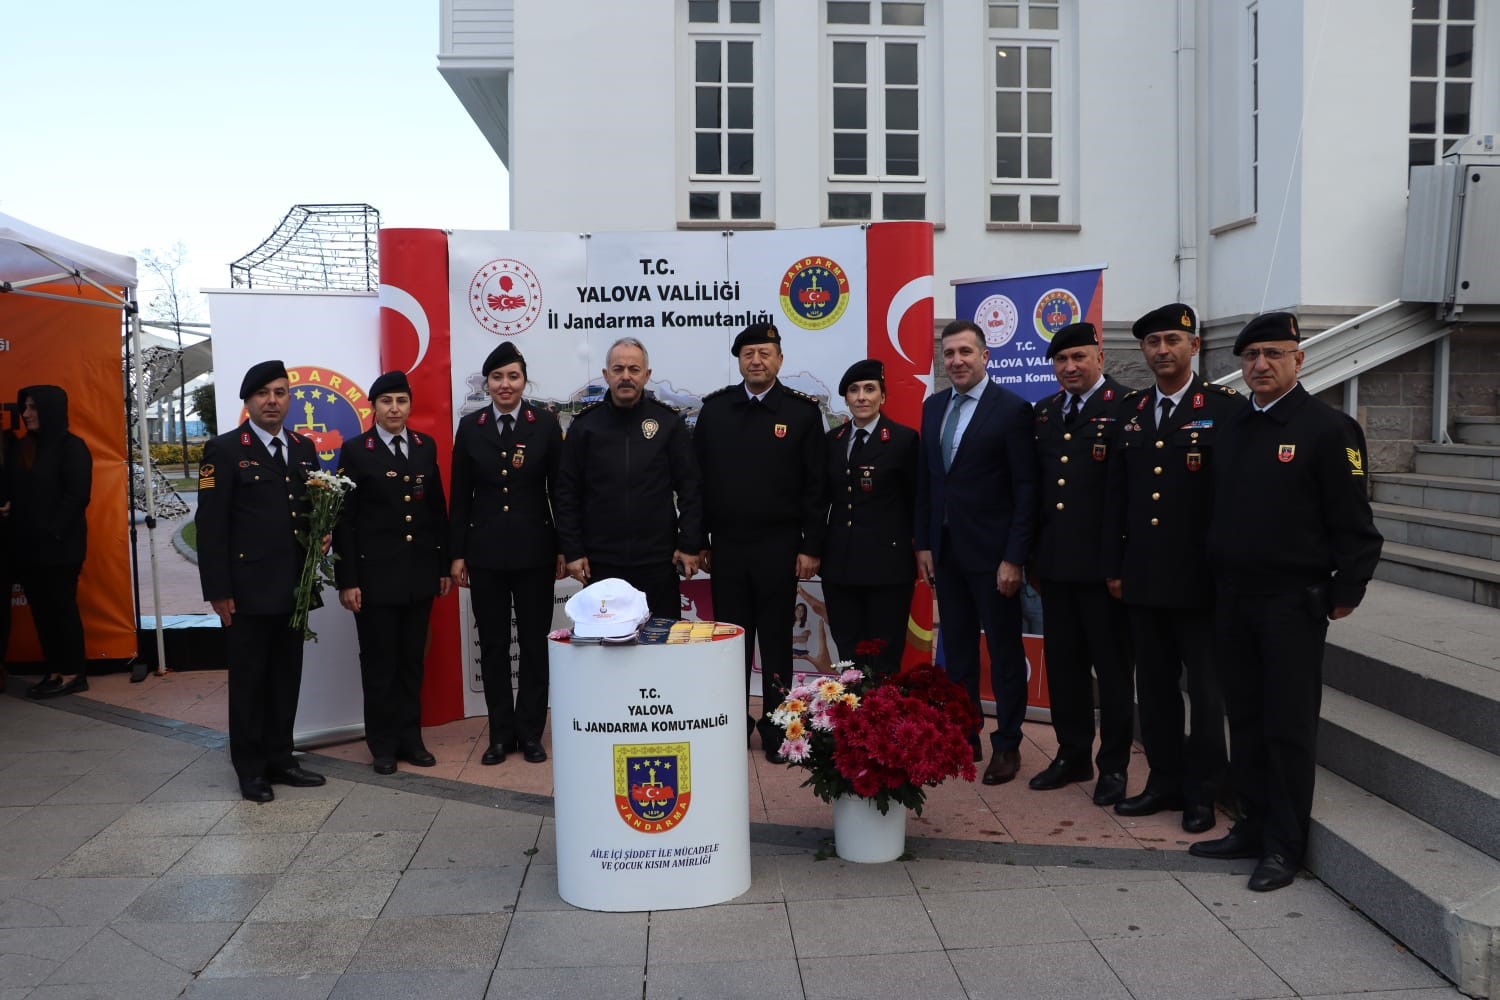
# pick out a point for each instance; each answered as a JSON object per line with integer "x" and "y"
{"x": 880, "y": 738}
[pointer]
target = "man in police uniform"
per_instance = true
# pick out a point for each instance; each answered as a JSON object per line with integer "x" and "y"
{"x": 760, "y": 449}
{"x": 252, "y": 500}
{"x": 624, "y": 459}
{"x": 392, "y": 546}
{"x": 1294, "y": 545}
{"x": 1085, "y": 629}
{"x": 1158, "y": 501}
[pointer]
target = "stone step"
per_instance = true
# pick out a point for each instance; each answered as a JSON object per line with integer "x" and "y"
{"x": 1477, "y": 430}
{"x": 1438, "y": 779}
{"x": 1473, "y": 461}
{"x": 1450, "y": 493}
{"x": 1427, "y": 658}
{"x": 1437, "y": 895}
{"x": 1463, "y": 534}
{"x": 1463, "y": 578}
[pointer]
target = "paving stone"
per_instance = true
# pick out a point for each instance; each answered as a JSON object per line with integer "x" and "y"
{"x": 927, "y": 974}
{"x": 1193, "y": 967}
{"x": 1089, "y": 875}
{"x": 73, "y": 822}
{"x": 186, "y": 946}
{"x": 1065, "y": 970}
{"x": 183, "y": 898}
{"x": 52, "y": 763}
{"x": 370, "y": 808}
{"x": 109, "y": 957}
{"x": 429, "y": 891}
{"x": 169, "y": 987}
{"x": 883, "y": 925}
{"x": 1439, "y": 993}
{"x": 724, "y": 933}
{"x": 969, "y": 876}
{"x": 748, "y": 980}
{"x": 1000, "y": 916}
{"x": 305, "y": 896}
{"x": 539, "y": 890}
{"x": 599, "y": 938}
{"x": 9, "y": 813}
{"x": 113, "y": 854}
{"x": 408, "y": 944}
{"x": 467, "y": 816}
{"x": 283, "y": 815}
{"x": 28, "y": 955}
{"x": 310, "y": 948}
{"x": 457, "y": 848}
{"x": 1136, "y": 908}
{"x": 620, "y": 982}
{"x": 359, "y": 850}
{"x": 805, "y": 877}
{"x": 438, "y": 985}
{"x": 242, "y": 854}
{"x": 546, "y": 844}
{"x": 1304, "y": 901}
{"x": 31, "y": 789}
{"x": 98, "y": 786}
{"x": 1329, "y": 957}
{"x": 306, "y": 987}
{"x": 155, "y": 819}
{"x": 29, "y": 857}
{"x": 72, "y": 902}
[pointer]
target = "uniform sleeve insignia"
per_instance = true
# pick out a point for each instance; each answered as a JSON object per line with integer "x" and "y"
{"x": 206, "y": 477}
{"x": 1356, "y": 462}
{"x": 885, "y": 433}
{"x": 649, "y": 427}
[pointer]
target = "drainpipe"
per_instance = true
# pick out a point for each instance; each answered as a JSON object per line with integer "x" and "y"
{"x": 1187, "y": 155}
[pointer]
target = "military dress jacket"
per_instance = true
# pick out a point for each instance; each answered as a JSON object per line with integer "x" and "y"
{"x": 1160, "y": 496}
{"x": 1073, "y": 459}
{"x": 249, "y": 514}
{"x": 872, "y": 500}
{"x": 501, "y": 511}
{"x": 763, "y": 465}
{"x": 392, "y": 539}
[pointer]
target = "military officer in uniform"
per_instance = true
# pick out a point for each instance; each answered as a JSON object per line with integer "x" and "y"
{"x": 761, "y": 451}
{"x": 392, "y": 546}
{"x": 1294, "y": 545}
{"x": 1158, "y": 501}
{"x": 252, "y": 501}
{"x": 1085, "y": 631}
{"x": 504, "y": 548}
{"x": 629, "y": 497}
{"x": 869, "y": 569}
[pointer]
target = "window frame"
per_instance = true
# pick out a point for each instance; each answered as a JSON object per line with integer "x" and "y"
{"x": 1064, "y": 180}
{"x": 1440, "y": 138}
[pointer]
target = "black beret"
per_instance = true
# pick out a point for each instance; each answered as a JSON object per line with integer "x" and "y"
{"x": 390, "y": 382}
{"x": 1073, "y": 335}
{"x": 1173, "y": 316}
{"x": 259, "y": 376}
{"x": 862, "y": 371}
{"x": 755, "y": 333}
{"x": 1267, "y": 326}
{"x": 505, "y": 354}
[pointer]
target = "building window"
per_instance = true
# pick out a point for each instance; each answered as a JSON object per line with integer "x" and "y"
{"x": 726, "y": 111}
{"x": 1029, "y": 172}
{"x": 1442, "y": 76}
{"x": 1253, "y": 30}
{"x": 877, "y": 138}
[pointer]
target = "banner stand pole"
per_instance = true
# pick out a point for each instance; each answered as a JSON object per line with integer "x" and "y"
{"x": 133, "y": 309}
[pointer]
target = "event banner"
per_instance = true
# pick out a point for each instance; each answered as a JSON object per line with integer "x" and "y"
{"x": 329, "y": 343}
{"x": 835, "y": 294}
{"x": 76, "y": 345}
{"x": 1019, "y": 313}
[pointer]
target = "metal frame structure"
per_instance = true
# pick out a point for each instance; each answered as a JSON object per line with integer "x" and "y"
{"x": 321, "y": 247}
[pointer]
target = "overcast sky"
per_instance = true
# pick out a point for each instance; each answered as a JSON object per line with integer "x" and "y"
{"x": 138, "y": 124}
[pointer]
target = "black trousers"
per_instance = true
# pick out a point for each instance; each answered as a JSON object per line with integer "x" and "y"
{"x": 1169, "y": 641}
{"x": 857, "y": 613}
{"x": 1086, "y": 634}
{"x": 494, "y": 592}
{"x": 1271, "y": 662}
{"x": 52, "y": 595}
{"x": 658, "y": 581}
{"x": 969, "y": 602}
{"x": 754, "y": 585}
{"x": 392, "y": 647}
{"x": 265, "y": 677}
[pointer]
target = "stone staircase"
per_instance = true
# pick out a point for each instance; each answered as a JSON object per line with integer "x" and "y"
{"x": 1406, "y": 824}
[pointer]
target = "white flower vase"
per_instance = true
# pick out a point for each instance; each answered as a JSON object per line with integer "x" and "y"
{"x": 862, "y": 834}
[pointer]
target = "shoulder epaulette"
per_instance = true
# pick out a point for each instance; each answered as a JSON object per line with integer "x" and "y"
{"x": 1223, "y": 390}
{"x": 592, "y": 406}
{"x": 664, "y": 405}
{"x": 798, "y": 394}
{"x": 719, "y": 392}
{"x": 1134, "y": 393}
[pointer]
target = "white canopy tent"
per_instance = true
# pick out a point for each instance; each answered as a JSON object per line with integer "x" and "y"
{"x": 30, "y": 257}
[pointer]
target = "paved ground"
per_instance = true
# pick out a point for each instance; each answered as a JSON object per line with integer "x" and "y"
{"x": 131, "y": 869}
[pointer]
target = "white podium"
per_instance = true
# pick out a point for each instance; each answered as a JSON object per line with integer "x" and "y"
{"x": 652, "y": 790}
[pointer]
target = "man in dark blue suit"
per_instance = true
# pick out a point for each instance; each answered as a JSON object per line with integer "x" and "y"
{"x": 976, "y": 512}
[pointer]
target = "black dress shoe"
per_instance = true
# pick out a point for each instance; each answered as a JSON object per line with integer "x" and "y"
{"x": 1148, "y": 803}
{"x": 47, "y": 687}
{"x": 1003, "y": 767}
{"x": 533, "y": 752}
{"x": 1197, "y": 817}
{"x": 1273, "y": 872}
{"x": 385, "y": 765}
{"x": 419, "y": 756}
{"x": 256, "y": 790}
{"x": 295, "y": 776}
{"x": 1110, "y": 789}
{"x": 139, "y": 671}
{"x": 1240, "y": 842}
{"x": 495, "y": 754}
{"x": 1061, "y": 772}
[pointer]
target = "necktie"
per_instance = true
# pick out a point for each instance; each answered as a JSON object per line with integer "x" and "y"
{"x": 950, "y": 426}
{"x": 396, "y": 443}
{"x": 276, "y": 455}
{"x": 859, "y": 442}
{"x": 1074, "y": 405}
{"x": 1166, "y": 411}
{"x": 507, "y": 424}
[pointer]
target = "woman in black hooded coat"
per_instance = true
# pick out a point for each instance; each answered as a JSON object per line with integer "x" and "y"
{"x": 48, "y": 476}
